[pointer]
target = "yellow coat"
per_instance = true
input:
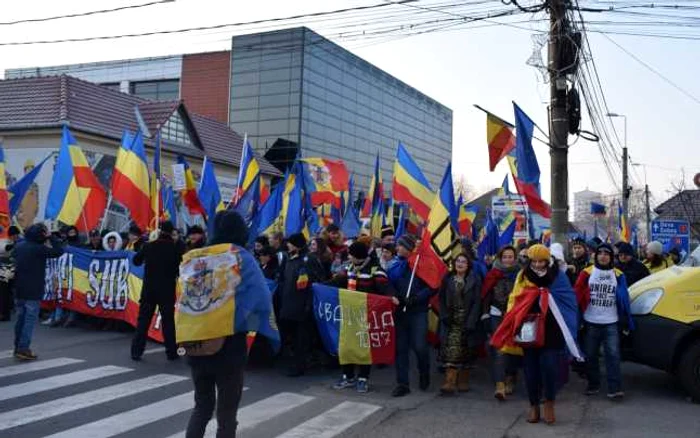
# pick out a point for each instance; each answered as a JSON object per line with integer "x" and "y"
{"x": 665, "y": 263}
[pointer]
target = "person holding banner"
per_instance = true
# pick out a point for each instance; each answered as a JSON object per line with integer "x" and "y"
{"x": 363, "y": 275}
{"x": 460, "y": 307}
{"x": 161, "y": 259}
{"x": 411, "y": 318}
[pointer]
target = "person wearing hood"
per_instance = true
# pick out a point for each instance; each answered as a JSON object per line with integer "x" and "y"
{"x": 30, "y": 276}
{"x": 460, "y": 307}
{"x": 580, "y": 259}
{"x": 602, "y": 295}
{"x": 112, "y": 241}
{"x": 301, "y": 270}
{"x": 195, "y": 238}
{"x": 94, "y": 241}
{"x": 411, "y": 318}
{"x": 218, "y": 377}
{"x": 259, "y": 243}
{"x": 655, "y": 260}
{"x": 72, "y": 236}
{"x": 161, "y": 260}
{"x": 541, "y": 320}
{"x": 633, "y": 269}
{"x": 495, "y": 291}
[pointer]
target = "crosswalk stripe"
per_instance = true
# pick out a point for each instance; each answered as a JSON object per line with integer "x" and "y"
{"x": 332, "y": 422}
{"x": 28, "y": 367}
{"x": 41, "y": 411}
{"x": 5, "y": 354}
{"x": 130, "y": 420}
{"x": 60, "y": 381}
{"x": 258, "y": 412}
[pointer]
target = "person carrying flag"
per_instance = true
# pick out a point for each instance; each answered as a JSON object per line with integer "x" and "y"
{"x": 363, "y": 275}
{"x": 411, "y": 318}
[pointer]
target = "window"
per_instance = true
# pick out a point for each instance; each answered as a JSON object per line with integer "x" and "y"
{"x": 174, "y": 130}
{"x": 156, "y": 90}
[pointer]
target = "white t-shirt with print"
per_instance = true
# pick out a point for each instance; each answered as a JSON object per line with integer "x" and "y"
{"x": 603, "y": 306}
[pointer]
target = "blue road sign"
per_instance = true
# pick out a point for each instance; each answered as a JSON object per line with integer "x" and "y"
{"x": 672, "y": 234}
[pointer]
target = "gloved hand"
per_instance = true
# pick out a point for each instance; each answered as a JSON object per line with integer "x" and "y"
{"x": 411, "y": 301}
{"x": 485, "y": 316}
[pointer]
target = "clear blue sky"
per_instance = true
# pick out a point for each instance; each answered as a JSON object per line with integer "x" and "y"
{"x": 483, "y": 65}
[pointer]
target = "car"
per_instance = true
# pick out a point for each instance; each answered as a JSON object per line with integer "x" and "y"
{"x": 666, "y": 312}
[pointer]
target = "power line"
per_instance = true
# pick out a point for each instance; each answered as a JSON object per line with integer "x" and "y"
{"x": 84, "y": 14}
{"x": 199, "y": 28}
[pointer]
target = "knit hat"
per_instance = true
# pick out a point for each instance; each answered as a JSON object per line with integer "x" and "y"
{"x": 538, "y": 252}
{"x": 578, "y": 241}
{"x": 625, "y": 248}
{"x": 655, "y": 247}
{"x": 195, "y": 229}
{"x": 298, "y": 240}
{"x": 358, "y": 250}
{"x": 407, "y": 241}
{"x": 605, "y": 247}
{"x": 387, "y": 231}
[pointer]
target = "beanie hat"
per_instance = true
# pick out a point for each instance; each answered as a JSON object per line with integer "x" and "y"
{"x": 387, "y": 231}
{"x": 625, "y": 248}
{"x": 605, "y": 247}
{"x": 538, "y": 252}
{"x": 332, "y": 228}
{"x": 135, "y": 230}
{"x": 195, "y": 229}
{"x": 655, "y": 247}
{"x": 578, "y": 241}
{"x": 297, "y": 240}
{"x": 229, "y": 227}
{"x": 359, "y": 250}
{"x": 407, "y": 241}
{"x": 167, "y": 227}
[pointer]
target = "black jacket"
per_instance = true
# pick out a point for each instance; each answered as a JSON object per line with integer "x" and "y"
{"x": 580, "y": 264}
{"x": 472, "y": 299}
{"x": 367, "y": 277}
{"x": 271, "y": 270}
{"x": 634, "y": 271}
{"x": 30, "y": 257}
{"x": 300, "y": 272}
{"x": 161, "y": 259}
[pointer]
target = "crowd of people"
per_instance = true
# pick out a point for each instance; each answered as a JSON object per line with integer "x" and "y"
{"x": 529, "y": 307}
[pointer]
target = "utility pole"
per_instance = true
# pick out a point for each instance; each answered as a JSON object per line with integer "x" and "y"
{"x": 558, "y": 122}
{"x": 626, "y": 189}
{"x": 648, "y": 208}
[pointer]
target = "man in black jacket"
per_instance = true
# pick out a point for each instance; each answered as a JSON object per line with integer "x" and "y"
{"x": 633, "y": 269}
{"x": 30, "y": 273}
{"x": 161, "y": 259}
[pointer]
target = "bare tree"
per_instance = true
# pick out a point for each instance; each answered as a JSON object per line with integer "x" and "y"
{"x": 463, "y": 188}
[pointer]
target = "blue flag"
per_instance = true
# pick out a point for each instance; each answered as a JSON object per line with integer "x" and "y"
{"x": 20, "y": 188}
{"x": 506, "y": 238}
{"x": 209, "y": 193}
{"x": 350, "y": 224}
{"x": 528, "y": 169}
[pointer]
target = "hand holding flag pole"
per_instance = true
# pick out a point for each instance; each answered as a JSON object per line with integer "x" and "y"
{"x": 410, "y": 282}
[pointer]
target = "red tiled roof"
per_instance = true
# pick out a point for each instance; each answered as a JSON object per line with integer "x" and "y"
{"x": 49, "y": 102}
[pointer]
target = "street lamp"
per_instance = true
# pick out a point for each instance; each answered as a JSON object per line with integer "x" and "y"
{"x": 625, "y": 176}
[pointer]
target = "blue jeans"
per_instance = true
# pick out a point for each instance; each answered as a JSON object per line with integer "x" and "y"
{"x": 541, "y": 368}
{"x": 608, "y": 335}
{"x": 27, "y": 315}
{"x": 502, "y": 364}
{"x": 411, "y": 334}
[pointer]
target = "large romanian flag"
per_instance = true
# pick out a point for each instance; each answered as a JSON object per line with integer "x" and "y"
{"x": 325, "y": 179}
{"x": 465, "y": 222}
{"x": 500, "y": 138}
{"x": 189, "y": 193}
{"x": 376, "y": 187}
{"x": 131, "y": 181}
{"x": 355, "y": 326}
{"x": 410, "y": 185}
{"x": 248, "y": 172}
{"x": 76, "y": 196}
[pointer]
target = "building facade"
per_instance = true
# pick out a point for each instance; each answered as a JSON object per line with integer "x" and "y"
{"x": 294, "y": 93}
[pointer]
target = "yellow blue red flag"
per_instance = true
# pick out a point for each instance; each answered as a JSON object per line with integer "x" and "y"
{"x": 131, "y": 181}
{"x": 410, "y": 185}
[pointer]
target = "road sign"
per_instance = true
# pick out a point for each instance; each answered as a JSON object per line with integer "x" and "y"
{"x": 672, "y": 234}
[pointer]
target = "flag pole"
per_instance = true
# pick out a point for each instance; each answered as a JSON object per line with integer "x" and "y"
{"x": 239, "y": 182}
{"x": 104, "y": 217}
{"x": 410, "y": 282}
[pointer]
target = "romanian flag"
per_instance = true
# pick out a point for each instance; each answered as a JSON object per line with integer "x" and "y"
{"x": 127, "y": 140}
{"x": 156, "y": 193}
{"x": 505, "y": 189}
{"x": 5, "y": 220}
{"x": 76, "y": 196}
{"x": 325, "y": 179}
{"x": 465, "y": 222}
{"x": 189, "y": 193}
{"x": 268, "y": 219}
{"x": 292, "y": 204}
{"x": 19, "y": 189}
{"x": 410, "y": 185}
{"x": 209, "y": 192}
{"x": 130, "y": 181}
{"x": 439, "y": 242}
{"x": 508, "y": 224}
{"x": 376, "y": 222}
{"x": 222, "y": 291}
{"x": 500, "y": 138}
{"x": 624, "y": 229}
{"x": 249, "y": 172}
{"x": 356, "y": 326}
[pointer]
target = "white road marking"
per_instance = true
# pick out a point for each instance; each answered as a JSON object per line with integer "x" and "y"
{"x": 28, "y": 367}
{"x": 332, "y": 422}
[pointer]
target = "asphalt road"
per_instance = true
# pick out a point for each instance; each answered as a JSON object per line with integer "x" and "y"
{"x": 85, "y": 385}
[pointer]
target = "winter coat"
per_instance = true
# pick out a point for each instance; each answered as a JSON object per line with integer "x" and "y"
{"x": 634, "y": 271}
{"x": 472, "y": 297}
{"x": 271, "y": 270}
{"x": 300, "y": 272}
{"x": 400, "y": 277}
{"x": 657, "y": 265}
{"x": 497, "y": 287}
{"x": 30, "y": 257}
{"x": 583, "y": 296}
{"x": 367, "y": 277}
{"x": 579, "y": 265}
{"x": 161, "y": 259}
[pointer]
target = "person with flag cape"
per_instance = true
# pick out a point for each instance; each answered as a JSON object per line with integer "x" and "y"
{"x": 214, "y": 336}
{"x": 541, "y": 320}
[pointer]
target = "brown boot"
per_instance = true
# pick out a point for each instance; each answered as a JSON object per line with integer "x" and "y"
{"x": 510, "y": 385}
{"x": 534, "y": 415}
{"x": 449, "y": 386}
{"x": 500, "y": 393}
{"x": 549, "y": 412}
{"x": 463, "y": 381}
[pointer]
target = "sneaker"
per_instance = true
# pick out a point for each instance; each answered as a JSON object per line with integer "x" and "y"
{"x": 424, "y": 382}
{"x": 592, "y": 391}
{"x": 619, "y": 395}
{"x": 362, "y": 386}
{"x": 344, "y": 383}
{"x": 400, "y": 391}
{"x": 48, "y": 322}
{"x": 26, "y": 355}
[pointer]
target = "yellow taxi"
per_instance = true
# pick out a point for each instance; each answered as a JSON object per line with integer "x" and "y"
{"x": 666, "y": 311}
